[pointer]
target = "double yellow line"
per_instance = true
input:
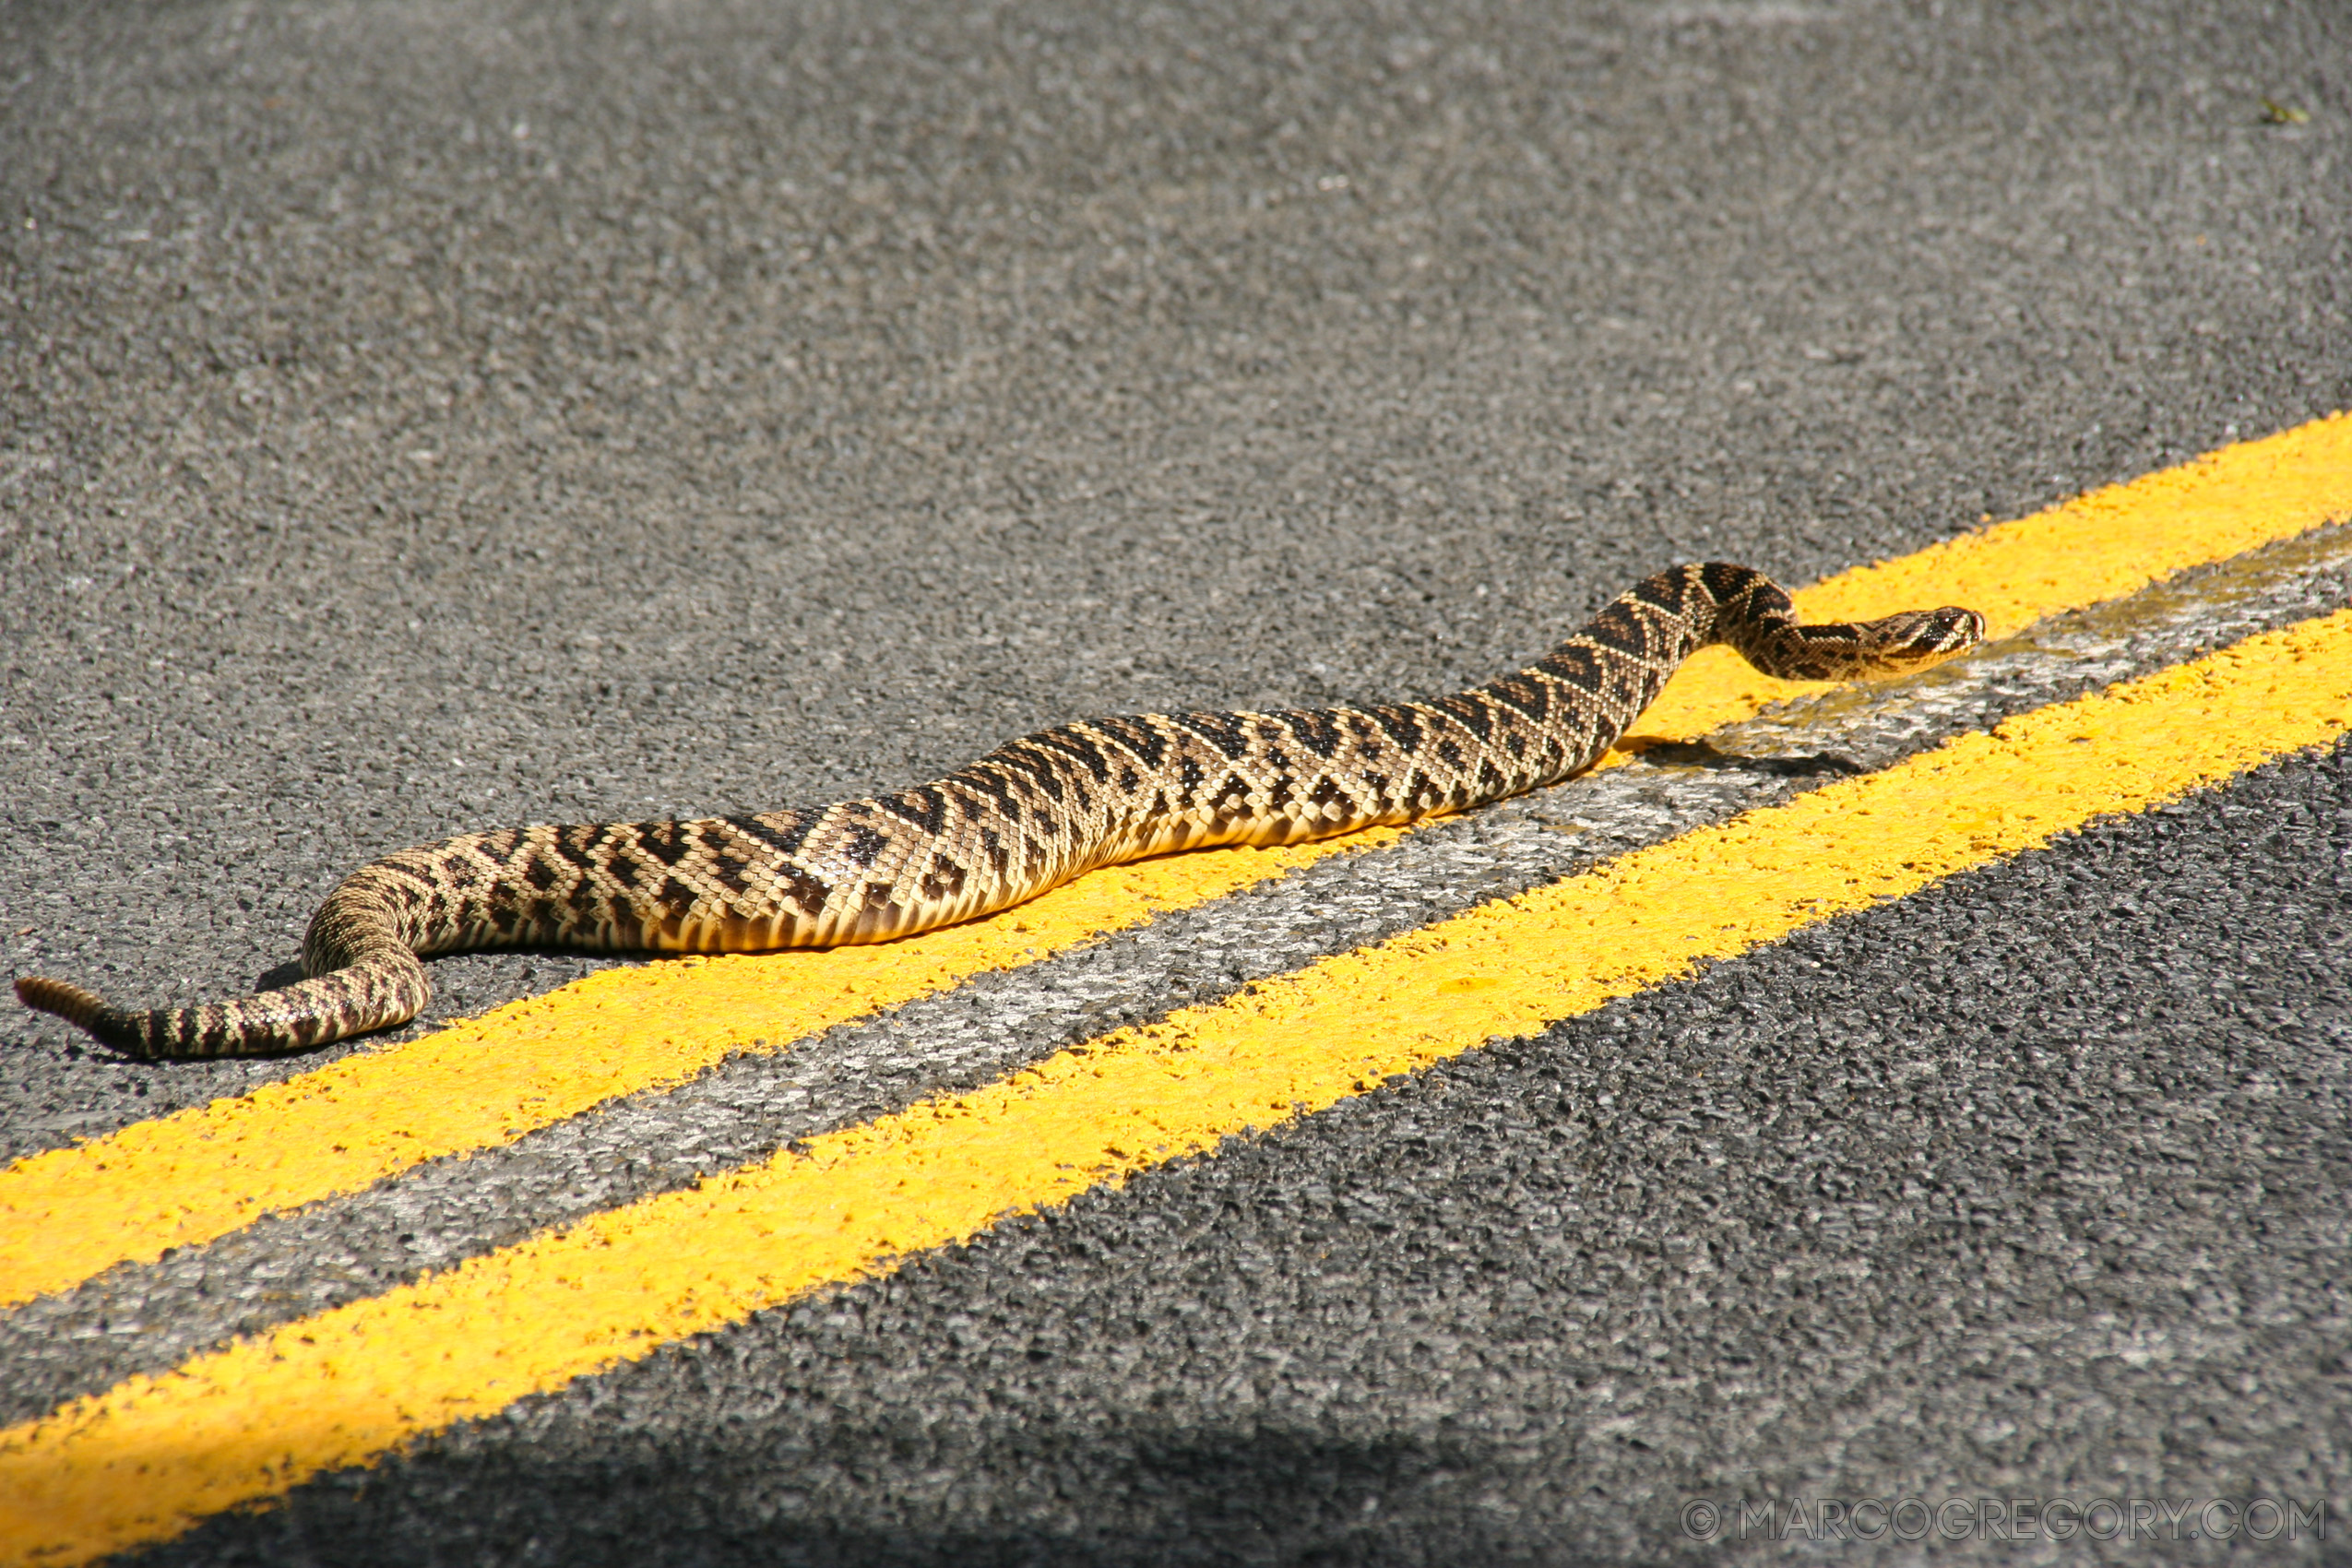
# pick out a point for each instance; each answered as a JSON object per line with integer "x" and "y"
{"x": 142, "y": 1460}
{"x": 187, "y": 1178}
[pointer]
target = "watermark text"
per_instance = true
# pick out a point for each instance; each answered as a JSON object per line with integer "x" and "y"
{"x": 2005, "y": 1518}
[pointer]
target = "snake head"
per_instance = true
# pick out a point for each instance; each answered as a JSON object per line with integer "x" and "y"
{"x": 1916, "y": 638}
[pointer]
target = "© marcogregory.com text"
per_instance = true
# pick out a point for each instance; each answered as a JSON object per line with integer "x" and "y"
{"x": 2005, "y": 1518}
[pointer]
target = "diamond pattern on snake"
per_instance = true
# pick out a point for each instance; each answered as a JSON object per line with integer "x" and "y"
{"x": 1028, "y": 816}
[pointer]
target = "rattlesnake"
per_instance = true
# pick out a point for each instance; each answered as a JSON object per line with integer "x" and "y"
{"x": 1030, "y": 815}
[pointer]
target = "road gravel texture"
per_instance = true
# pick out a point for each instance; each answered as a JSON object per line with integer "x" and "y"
{"x": 1936, "y": 1203}
{"x": 147, "y": 1318}
{"x": 419, "y": 417}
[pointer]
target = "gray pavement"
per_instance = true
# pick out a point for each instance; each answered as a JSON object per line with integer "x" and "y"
{"x": 416, "y": 418}
{"x": 2030, "y": 1185}
{"x": 148, "y": 1317}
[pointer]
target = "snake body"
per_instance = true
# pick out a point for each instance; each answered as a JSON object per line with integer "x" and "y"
{"x": 1028, "y": 815}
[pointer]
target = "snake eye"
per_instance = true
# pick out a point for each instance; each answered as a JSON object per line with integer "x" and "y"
{"x": 1960, "y": 628}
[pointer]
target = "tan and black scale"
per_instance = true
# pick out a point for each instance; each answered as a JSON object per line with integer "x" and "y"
{"x": 1028, "y": 815}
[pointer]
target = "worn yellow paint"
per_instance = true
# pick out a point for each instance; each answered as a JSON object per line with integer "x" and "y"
{"x": 186, "y": 1179}
{"x": 2098, "y": 547}
{"x": 145, "y": 1459}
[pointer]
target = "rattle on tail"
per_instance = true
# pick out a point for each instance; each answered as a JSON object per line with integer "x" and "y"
{"x": 1028, "y": 816}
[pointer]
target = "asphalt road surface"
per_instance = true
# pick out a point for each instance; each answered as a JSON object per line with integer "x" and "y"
{"x": 419, "y": 418}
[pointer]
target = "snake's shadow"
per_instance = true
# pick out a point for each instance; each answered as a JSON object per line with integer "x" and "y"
{"x": 1698, "y": 753}
{"x": 291, "y": 971}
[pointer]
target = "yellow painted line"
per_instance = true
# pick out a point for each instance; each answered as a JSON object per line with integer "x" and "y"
{"x": 145, "y": 1459}
{"x": 2101, "y": 546}
{"x": 188, "y": 1178}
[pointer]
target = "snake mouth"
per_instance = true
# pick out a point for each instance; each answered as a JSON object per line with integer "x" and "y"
{"x": 1917, "y": 639}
